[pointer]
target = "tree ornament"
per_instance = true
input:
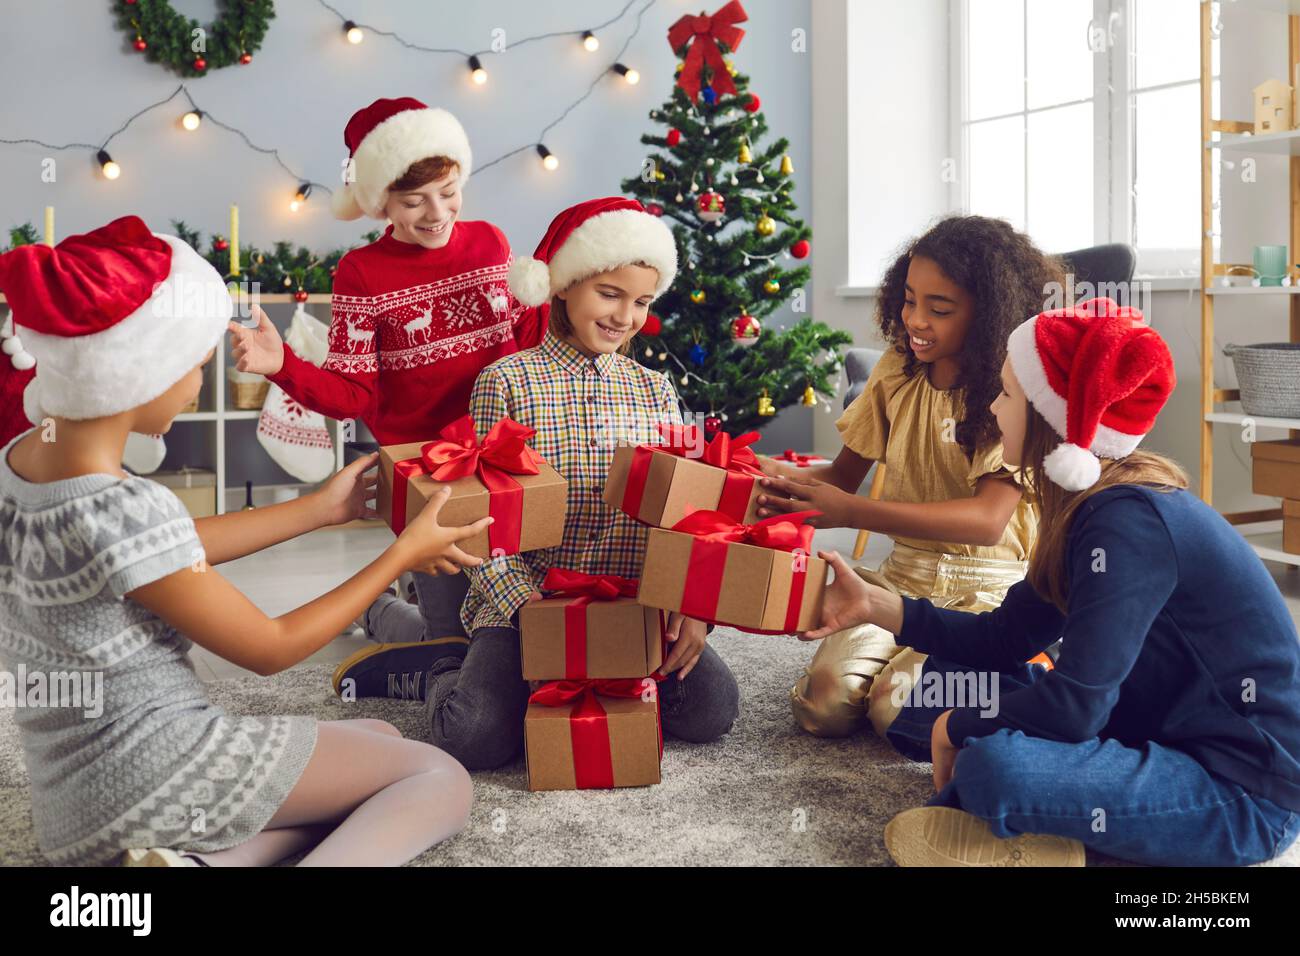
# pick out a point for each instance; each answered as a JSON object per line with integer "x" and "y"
{"x": 745, "y": 330}
{"x": 809, "y": 396}
{"x": 674, "y": 137}
{"x": 697, "y": 296}
{"x": 708, "y": 161}
{"x": 766, "y": 225}
{"x": 753, "y": 104}
{"x": 654, "y": 209}
{"x": 758, "y": 177}
{"x": 708, "y": 131}
{"x": 731, "y": 66}
{"x": 711, "y": 425}
{"x": 801, "y": 249}
{"x": 245, "y": 58}
{"x": 680, "y": 197}
{"x": 745, "y": 155}
{"x": 698, "y": 354}
{"x": 787, "y": 166}
{"x": 710, "y": 207}
{"x": 140, "y": 45}
{"x": 765, "y": 406}
{"x": 300, "y": 295}
{"x": 772, "y": 286}
{"x": 221, "y": 245}
{"x": 708, "y": 95}
{"x": 199, "y": 64}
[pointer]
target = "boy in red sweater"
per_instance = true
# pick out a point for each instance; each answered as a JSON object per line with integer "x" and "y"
{"x": 416, "y": 315}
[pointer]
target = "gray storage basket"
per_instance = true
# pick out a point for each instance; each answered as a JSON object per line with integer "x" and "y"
{"x": 1269, "y": 376}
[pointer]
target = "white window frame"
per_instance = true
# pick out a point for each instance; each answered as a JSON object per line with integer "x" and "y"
{"x": 1113, "y": 143}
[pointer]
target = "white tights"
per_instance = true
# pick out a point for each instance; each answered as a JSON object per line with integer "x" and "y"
{"x": 368, "y": 797}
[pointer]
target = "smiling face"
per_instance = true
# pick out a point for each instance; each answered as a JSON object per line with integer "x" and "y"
{"x": 936, "y": 311}
{"x": 607, "y": 310}
{"x": 1011, "y": 409}
{"x": 424, "y": 215}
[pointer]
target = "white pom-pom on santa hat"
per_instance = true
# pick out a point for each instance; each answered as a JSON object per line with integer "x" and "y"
{"x": 530, "y": 280}
{"x": 344, "y": 205}
{"x": 1072, "y": 467}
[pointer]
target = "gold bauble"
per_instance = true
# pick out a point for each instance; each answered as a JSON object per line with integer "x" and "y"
{"x": 771, "y": 287}
{"x": 766, "y": 225}
{"x": 697, "y": 296}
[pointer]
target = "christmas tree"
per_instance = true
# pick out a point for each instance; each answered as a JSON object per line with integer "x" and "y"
{"x": 737, "y": 244}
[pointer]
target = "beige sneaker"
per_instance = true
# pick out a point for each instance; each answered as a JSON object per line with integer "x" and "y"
{"x": 158, "y": 856}
{"x": 942, "y": 836}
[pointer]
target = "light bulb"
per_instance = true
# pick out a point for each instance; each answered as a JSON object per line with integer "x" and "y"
{"x": 476, "y": 71}
{"x": 353, "y": 32}
{"x": 191, "y": 120}
{"x": 550, "y": 161}
{"x": 110, "y": 169}
{"x": 590, "y": 42}
{"x": 632, "y": 76}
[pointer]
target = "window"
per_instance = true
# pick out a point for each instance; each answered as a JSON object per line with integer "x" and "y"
{"x": 1079, "y": 122}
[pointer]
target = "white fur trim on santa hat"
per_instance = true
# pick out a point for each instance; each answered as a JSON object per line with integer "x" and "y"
{"x": 137, "y": 359}
{"x": 1022, "y": 349}
{"x": 392, "y": 146}
{"x": 1072, "y": 467}
{"x": 529, "y": 280}
{"x": 611, "y": 240}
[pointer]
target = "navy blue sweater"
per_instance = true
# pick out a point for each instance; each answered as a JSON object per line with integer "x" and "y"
{"x": 1182, "y": 639}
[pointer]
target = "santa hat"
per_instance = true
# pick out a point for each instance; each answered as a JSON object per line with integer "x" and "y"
{"x": 593, "y": 237}
{"x": 383, "y": 141}
{"x": 1099, "y": 375}
{"x": 113, "y": 318}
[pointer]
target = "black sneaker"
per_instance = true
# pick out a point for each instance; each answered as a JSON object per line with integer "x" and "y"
{"x": 394, "y": 670}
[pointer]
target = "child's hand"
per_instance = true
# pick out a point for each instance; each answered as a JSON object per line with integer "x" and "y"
{"x": 349, "y": 493}
{"x": 688, "y": 637}
{"x": 846, "y": 602}
{"x": 771, "y": 467}
{"x": 942, "y": 753}
{"x": 429, "y": 547}
{"x": 259, "y": 350}
{"x": 805, "y": 494}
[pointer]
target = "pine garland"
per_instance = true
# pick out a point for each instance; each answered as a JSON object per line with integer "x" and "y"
{"x": 169, "y": 37}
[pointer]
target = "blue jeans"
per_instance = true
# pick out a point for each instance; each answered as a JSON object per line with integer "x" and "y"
{"x": 475, "y": 707}
{"x": 1148, "y": 804}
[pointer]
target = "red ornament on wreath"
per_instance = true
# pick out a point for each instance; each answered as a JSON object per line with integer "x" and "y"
{"x": 745, "y": 330}
{"x": 754, "y": 103}
{"x": 245, "y": 59}
{"x": 140, "y": 45}
{"x": 801, "y": 249}
{"x": 711, "y": 206}
{"x": 674, "y": 137}
{"x": 200, "y": 64}
{"x": 221, "y": 245}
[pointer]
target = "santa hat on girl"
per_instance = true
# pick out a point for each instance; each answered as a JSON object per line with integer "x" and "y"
{"x": 113, "y": 318}
{"x": 1099, "y": 375}
{"x": 383, "y": 140}
{"x": 592, "y": 237}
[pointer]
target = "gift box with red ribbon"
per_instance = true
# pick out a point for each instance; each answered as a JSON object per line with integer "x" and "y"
{"x": 590, "y": 626}
{"x": 760, "y": 577}
{"x": 659, "y": 484}
{"x": 592, "y": 734}
{"x": 501, "y": 476}
{"x": 792, "y": 457}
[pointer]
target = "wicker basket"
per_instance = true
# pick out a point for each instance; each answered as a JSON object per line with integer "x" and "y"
{"x": 1269, "y": 377}
{"x": 247, "y": 391}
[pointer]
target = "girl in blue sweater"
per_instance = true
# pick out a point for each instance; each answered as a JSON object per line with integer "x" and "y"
{"x": 1168, "y": 732}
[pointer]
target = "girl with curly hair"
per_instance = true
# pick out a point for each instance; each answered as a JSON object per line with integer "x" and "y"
{"x": 962, "y": 525}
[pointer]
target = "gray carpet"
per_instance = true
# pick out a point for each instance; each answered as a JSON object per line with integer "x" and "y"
{"x": 767, "y": 794}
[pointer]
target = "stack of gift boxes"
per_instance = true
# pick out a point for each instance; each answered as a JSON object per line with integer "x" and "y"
{"x": 596, "y": 641}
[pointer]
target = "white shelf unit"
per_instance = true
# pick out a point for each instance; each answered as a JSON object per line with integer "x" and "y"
{"x": 1259, "y": 529}
{"x": 215, "y": 411}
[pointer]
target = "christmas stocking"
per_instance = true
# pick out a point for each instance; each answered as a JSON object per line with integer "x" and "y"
{"x": 295, "y": 438}
{"x": 143, "y": 453}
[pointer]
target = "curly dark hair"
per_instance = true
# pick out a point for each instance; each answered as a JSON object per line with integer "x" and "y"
{"x": 1006, "y": 275}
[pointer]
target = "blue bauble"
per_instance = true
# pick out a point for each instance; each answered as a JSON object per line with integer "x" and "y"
{"x": 698, "y": 354}
{"x": 709, "y": 96}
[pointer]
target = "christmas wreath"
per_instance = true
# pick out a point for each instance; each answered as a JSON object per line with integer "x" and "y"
{"x": 188, "y": 48}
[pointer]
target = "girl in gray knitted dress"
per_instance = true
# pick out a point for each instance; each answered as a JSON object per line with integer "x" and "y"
{"x": 102, "y": 572}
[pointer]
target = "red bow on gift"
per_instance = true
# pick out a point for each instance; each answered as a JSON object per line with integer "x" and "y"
{"x": 705, "y": 34}
{"x": 583, "y": 588}
{"x": 458, "y": 453}
{"x": 784, "y": 532}
{"x": 593, "y": 763}
{"x": 722, "y": 451}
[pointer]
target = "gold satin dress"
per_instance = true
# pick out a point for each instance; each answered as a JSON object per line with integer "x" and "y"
{"x": 910, "y": 425}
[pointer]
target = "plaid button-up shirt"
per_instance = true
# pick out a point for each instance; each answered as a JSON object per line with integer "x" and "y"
{"x": 582, "y": 408}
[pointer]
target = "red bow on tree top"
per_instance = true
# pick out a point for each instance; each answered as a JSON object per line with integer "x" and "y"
{"x": 707, "y": 33}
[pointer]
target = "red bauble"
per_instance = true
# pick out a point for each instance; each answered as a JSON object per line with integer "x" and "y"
{"x": 245, "y": 58}
{"x": 220, "y": 245}
{"x": 140, "y": 45}
{"x": 710, "y": 206}
{"x": 745, "y": 329}
{"x": 674, "y": 137}
{"x": 200, "y": 64}
{"x": 300, "y": 295}
{"x": 653, "y": 325}
{"x": 654, "y": 209}
{"x": 753, "y": 104}
{"x": 801, "y": 249}
{"x": 711, "y": 425}
{"x": 130, "y": 3}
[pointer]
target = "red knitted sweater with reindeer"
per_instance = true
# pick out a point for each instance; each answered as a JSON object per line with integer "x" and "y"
{"x": 411, "y": 329}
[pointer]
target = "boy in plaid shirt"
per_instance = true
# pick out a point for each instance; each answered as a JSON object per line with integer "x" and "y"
{"x": 605, "y": 259}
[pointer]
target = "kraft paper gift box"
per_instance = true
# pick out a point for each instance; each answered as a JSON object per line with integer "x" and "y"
{"x": 592, "y": 627}
{"x": 1275, "y": 468}
{"x": 1291, "y": 527}
{"x": 659, "y": 484}
{"x": 501, "y": 476}
{"x": 760, "y": 577}
{"x": 582, "y": 735}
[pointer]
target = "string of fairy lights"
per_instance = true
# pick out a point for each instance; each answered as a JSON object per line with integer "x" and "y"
{"x": 353, "y": 33}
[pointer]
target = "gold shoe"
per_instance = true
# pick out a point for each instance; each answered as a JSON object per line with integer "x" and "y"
{"x": 943, "y": 836}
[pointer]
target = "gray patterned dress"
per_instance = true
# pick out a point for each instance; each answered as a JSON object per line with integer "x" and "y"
{"x": 161, "y": 765}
